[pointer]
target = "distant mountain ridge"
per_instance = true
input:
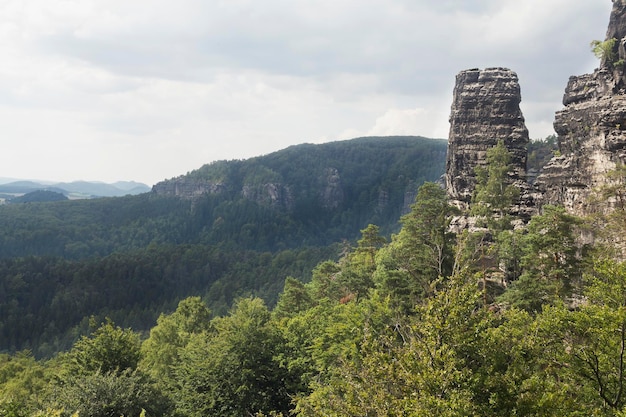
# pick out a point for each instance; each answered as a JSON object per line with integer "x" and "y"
{"x": 74, "y": 189}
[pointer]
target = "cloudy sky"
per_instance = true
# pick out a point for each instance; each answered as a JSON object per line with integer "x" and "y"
{"x": 150, "y": 89}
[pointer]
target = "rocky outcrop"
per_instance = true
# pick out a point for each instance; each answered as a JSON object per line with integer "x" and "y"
{"x": 271, "y": 194}
{"x": 617, "y": 31}
{"x": 274, "y": 195}
{"x": 332, "y": 194}
{"x": 591, "y": 128}
{"x": 485, "y": 110}
{"x": 186, "y": 188}
{"x": 410, "y": 194}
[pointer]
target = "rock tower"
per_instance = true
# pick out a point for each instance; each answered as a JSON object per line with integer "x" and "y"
{"x": 485, "y": 110}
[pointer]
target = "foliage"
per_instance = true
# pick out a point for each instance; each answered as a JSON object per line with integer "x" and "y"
{"x": 99, "y": 377}
{"x": 410, "y": 267}
{"x": 127, "y": 393}
{"x": 161, "y": 351}
{"x": 583, "y": 353}
{"x": 320, "y": 353}
{"x": 44, "y": 301}
{"x": 597, "y": 334}
{"x": 23, "y": 381}
{"x": 351, "y": 277}
{"x": 108, "y": 350}
{"x": 494, "y": 194}
{"x": 366, "y": 166}
{"x": 295, "y": 298}
{"x": 608, "y": 212}
{"x": 369, "y": 169}
{"x": 38, "y": 197}
{"x": 11, "y": 408}
{"x": 552, "y": 260}
{"x": 132, "y": 258}
{"x": 398, "y": 327}
{"x": 494, "y": 249}
{"x": 405, "y": 368}
{"x": 606, "y": 51}
{"x": 233, "y": 372}
{"x": 539, "y": 153}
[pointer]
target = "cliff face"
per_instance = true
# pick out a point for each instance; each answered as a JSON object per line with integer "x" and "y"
{"x": 332, "y": 193}
{"x": 373, "y": 179}
{"x": 275, "y": 195}
{"x": 186, "y": 188}
{"x": 485, "y": 109}
{"x": 617, "y": 31}
{"x": 591, "y": 128}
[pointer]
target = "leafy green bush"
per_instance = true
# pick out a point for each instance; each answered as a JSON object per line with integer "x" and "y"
{"x": 606, "y": 51}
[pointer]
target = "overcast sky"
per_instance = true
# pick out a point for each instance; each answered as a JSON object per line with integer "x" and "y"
{"x": 151, "y": 89}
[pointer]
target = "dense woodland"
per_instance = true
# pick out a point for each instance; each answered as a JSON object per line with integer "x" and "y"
{"x": 132, "y": 258}
{"x": 499, "y": 321}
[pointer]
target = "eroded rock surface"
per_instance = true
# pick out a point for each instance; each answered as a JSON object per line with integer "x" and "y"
{"x": 485, "y": 110}
{"x": 188, "y": 188}
{"x": 591, "y": 128}
{"x": 332, "y": 195}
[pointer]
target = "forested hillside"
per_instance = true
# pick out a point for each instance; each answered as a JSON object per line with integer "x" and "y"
{"x": 493, "y": 321}
{"x": 379, "y": 178}
{"x": 131, "y": 258}
{"x": 336, "y": 187}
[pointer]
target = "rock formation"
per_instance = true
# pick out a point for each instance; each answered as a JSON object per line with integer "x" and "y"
{"x": 332, "y": 194}
{"x": 485, "y": 110}
{"x": 592, "y": 127}
{"x": 274, "y": 195}
{"x": 186, "y": 188}
{"x": 591, "y": 131}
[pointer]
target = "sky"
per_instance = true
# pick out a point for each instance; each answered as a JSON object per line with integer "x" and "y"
{"x": 147, "y": 90}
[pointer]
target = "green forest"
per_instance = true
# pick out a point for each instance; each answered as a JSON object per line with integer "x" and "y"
{"x": 131, "y": 258}
{"x": 499, "y": 321}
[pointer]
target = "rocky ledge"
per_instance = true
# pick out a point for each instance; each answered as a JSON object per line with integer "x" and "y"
{"x": 186, "y": 188}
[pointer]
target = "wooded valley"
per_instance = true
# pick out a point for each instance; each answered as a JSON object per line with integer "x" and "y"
{"x": 497, "y": 321}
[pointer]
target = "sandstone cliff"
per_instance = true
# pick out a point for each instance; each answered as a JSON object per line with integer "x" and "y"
{"x": 269, "y": 194}
{"x": 187, "y": 188}
{"x": 332, "y": 193}
{"x": 274, "y": 195}
{"x": 591, "y": 128}
{"x": 485, "y": 109}
{"x": 371, "y": 179}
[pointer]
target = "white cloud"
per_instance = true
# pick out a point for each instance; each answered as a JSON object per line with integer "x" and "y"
{"x": 404, "y": 122}
{"x": 118, "y": 89}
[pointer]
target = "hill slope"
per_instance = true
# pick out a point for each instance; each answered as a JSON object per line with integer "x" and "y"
{"x": 246, "y": 227}
{"x": 337, "y": 187}
{"x": 302, "y": 195}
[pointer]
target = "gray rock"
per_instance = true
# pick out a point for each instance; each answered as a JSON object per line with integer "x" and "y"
{"x": 332, "y": 194}
{"x": 591, "y": 129}
{"x": 485, "y": 110}
{"x": 186, "y": 188}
